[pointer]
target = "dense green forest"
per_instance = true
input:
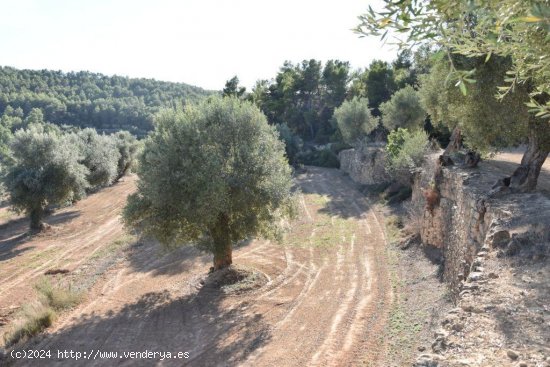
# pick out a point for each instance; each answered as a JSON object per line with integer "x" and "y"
{"x": 302, "y": 99}
{"x": 304, "y": 95}
{"x": 85, "y": 99}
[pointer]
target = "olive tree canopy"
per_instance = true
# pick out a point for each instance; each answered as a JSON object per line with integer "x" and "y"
{"x": 45, "y": 171}
{"x": 514, "y": 30}
{"x": 100, "y": 156}
{"x": 212, "y": 174}
{"x": 355, "y": 120}
{"x": 128, "y": 148}
{"x": 403, "y": 110}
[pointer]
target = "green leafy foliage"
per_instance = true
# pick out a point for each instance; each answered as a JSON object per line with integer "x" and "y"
{"x": 87, "y": 99}
{"x": 406, "y": 151}
{"x": 46, "y": 170}
{"x": 304, "y": 97}
{"x": 293, "y": 143}
{"x": 212, "y": 174}
{"x": 100, "y": 155}
{"x": 514, "y": 30}
{"x": 128, "y": 150}
{"x": 232, "y": 88}
{"x": 5, "y": 156}
{"x": 486, "y": 122}
{"x": 380, "y": 84}
{"x": 355, "y": 120}
{"x": 323, "y": 157}
{"x": 403, "y": 110}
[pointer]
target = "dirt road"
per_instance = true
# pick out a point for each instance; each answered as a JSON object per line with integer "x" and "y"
{"x": 325, "y": 303}
{"x": 76, "y": 234}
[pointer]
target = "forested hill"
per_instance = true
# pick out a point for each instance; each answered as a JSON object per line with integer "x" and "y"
{"x": 85, "y": 99}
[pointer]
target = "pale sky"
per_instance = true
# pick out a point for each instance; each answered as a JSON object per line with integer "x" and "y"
{"x": 199, "y": 42}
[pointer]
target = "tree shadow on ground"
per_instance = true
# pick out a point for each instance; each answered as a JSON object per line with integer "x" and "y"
{"x": 62, "y": 217}
{"x": 344, "y": 198}
{"x": 14, "y": 234}
{"x": 149, "y": 256}
{"x": 9, "y": 248}
{"x": 200, "y": 323}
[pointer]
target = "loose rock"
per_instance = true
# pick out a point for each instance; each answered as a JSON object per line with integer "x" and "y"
{"x": 512, "y": 354}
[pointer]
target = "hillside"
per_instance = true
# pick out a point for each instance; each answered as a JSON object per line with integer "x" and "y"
{"x": 87, "y": 99}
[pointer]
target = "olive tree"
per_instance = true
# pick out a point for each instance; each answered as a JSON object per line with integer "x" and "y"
{"x": 128, "y": 148}
{"x": 45, "y": 171}
{"x": 5, "y": 155}
{"x": 517, "y": 30}
{"x": 355, "y": 120}
{"x": 212, "y": 174}
{"x": 100, "y": 156}
{"x": 403, "y": 110}
{"x": 484, "y": 122}
{"x": 406, "y": 151}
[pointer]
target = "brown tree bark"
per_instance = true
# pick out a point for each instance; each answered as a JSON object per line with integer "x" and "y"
{"x": 455, "y": 141}
{"x": 472, "y": 159}
{"x": 223, "y": 251}
{"x": 525, "y": 177}
{"x": 36, "y": 215}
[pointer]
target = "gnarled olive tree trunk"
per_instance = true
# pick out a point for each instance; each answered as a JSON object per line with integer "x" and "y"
{"x": 223, "y": 256}
{"x": 525, "y": 177}
{"x": 36, "y": 216}
{"x": 455, "y": 141}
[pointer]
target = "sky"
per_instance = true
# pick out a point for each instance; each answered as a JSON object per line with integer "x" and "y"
{"x": 199, "y": 42}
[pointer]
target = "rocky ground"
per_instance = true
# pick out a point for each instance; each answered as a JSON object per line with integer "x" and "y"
{"x": 502, "y": 318}
{"x": 502, "y": 315}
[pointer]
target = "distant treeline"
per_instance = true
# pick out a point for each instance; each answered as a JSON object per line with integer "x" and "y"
{"x": 304, "y": 95}
{"x": 85, "y": 99}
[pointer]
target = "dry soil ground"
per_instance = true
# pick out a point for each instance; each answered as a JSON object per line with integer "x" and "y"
{"x": 334, "y": 294}
{"x": 76, "y": 234}
{"x": 508, "y": 160}
{"x": 327, "y": 300}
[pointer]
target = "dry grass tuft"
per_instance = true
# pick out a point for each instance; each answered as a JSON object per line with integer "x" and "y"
{"x": 35, "y": 317}
{"x": 394, "y": 225}
{"x": 58, "y": 297}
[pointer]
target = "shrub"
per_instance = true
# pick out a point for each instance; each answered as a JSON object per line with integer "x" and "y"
{"x": 320, "y": 157}
{"x": 35, "y": 318}
{"x": 58, "y": 297}
{"x": 406, "y": 151}
{"x": 293, "y": 143}
{"x": 396, "y": 139}
{"x": 403, "y": 110}
{"x": 355, "y": 120}
{"x": 393, "y": 226}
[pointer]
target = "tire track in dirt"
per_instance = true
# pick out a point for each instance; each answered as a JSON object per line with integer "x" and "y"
{"x": 326, "y": 301}
{"x": 65, "y": 245}
{"x": 90, "y": 236}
